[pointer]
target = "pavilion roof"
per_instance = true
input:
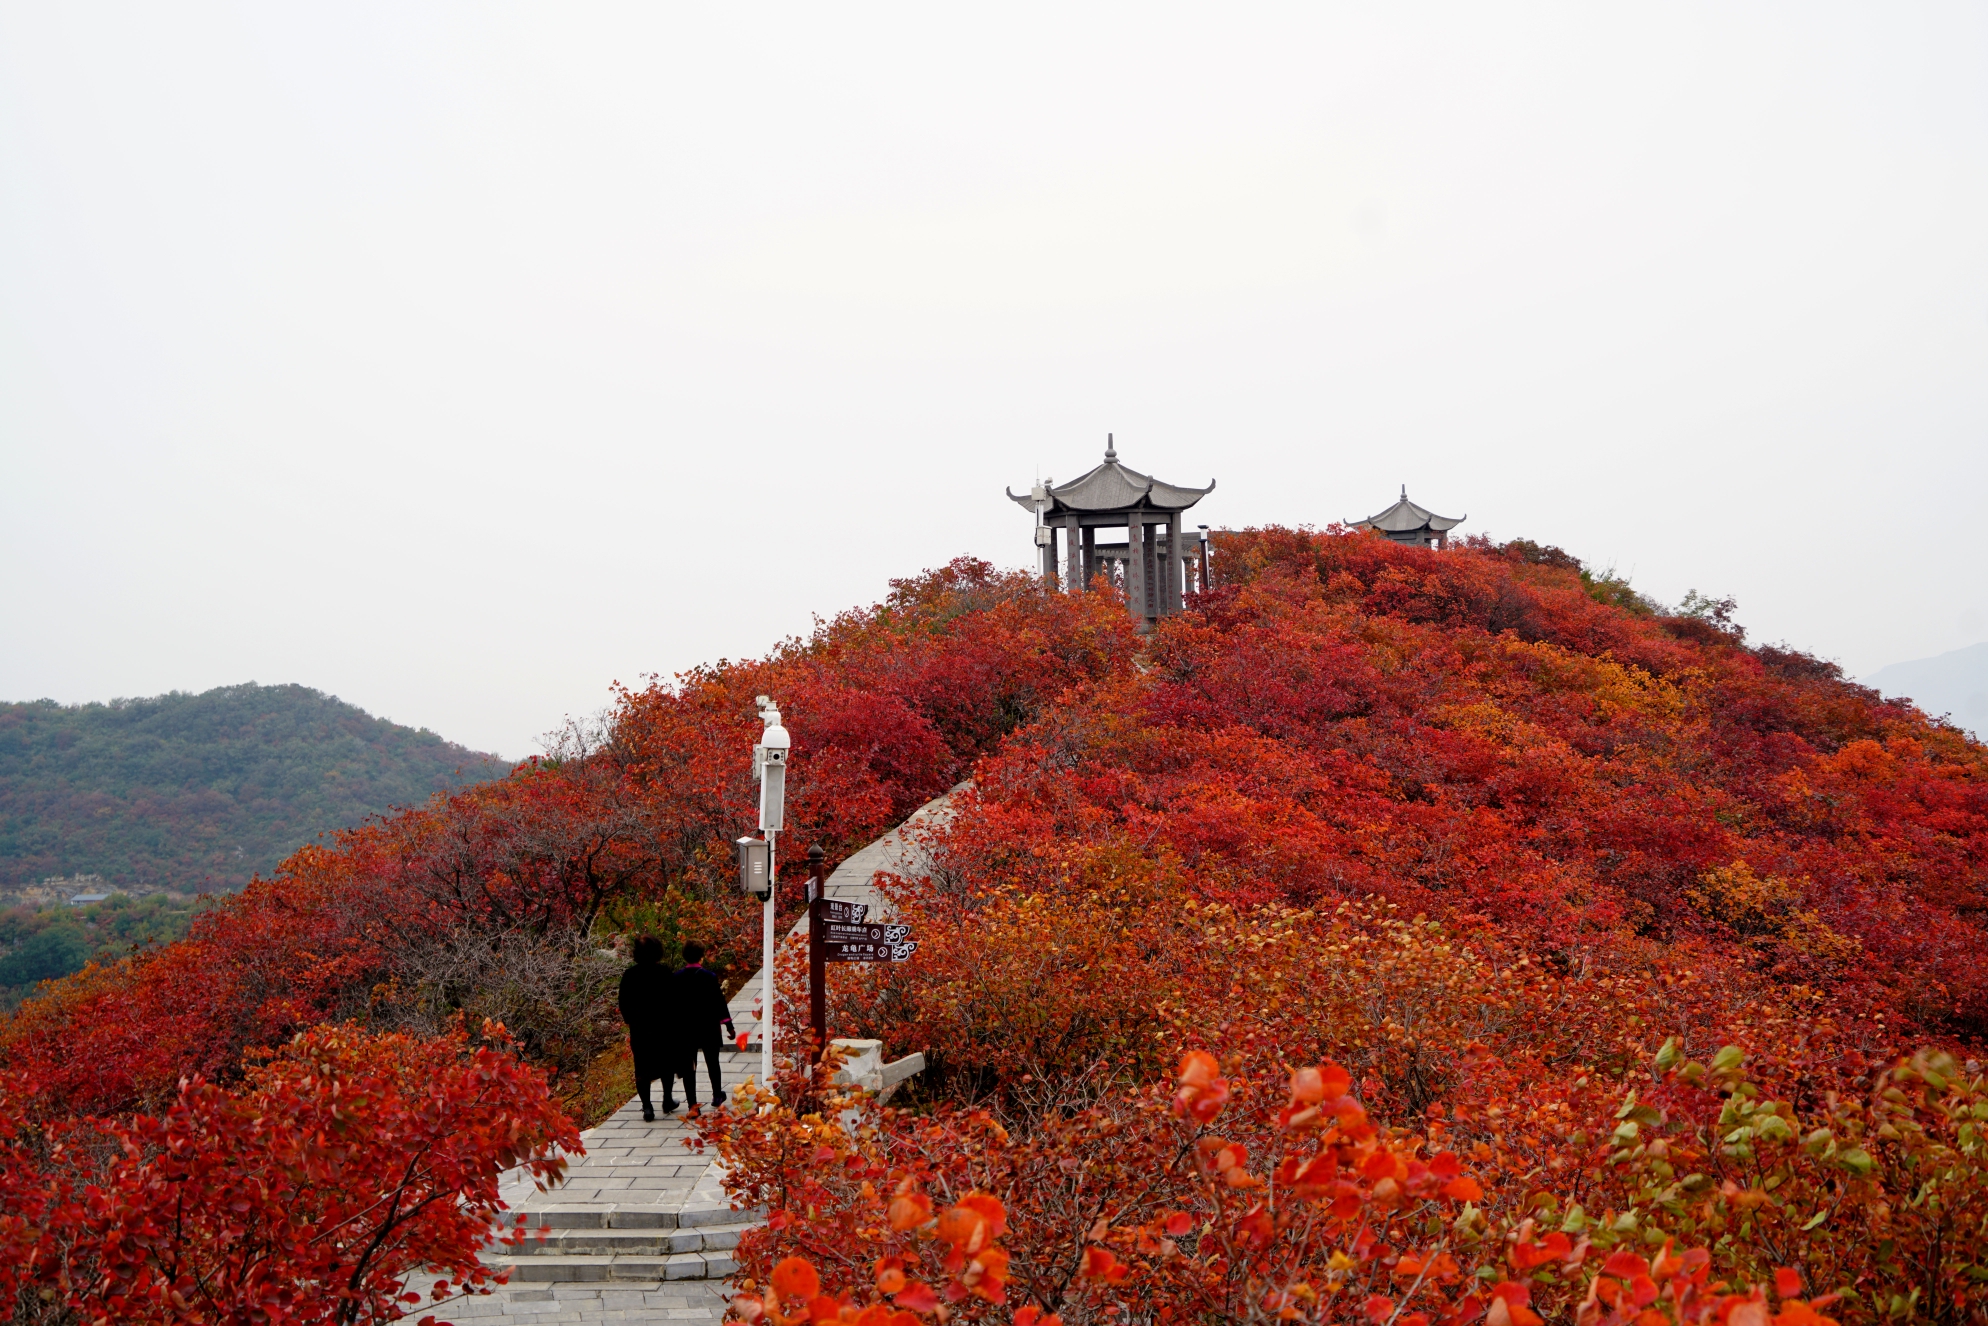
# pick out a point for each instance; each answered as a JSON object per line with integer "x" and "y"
{"x": 1405, "y": 515}
{"x": 1115, "y": 487}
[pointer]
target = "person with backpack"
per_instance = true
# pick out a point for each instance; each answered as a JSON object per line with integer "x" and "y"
{"x": 701, "y": 1010}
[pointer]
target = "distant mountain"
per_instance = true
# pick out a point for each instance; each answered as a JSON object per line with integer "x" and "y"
{"x": 1954, "y": 683}
{"x": 198, "y": 792}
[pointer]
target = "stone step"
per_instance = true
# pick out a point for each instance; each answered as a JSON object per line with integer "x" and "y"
{"x": 632, "y": 1215}
{"x": 652, "y": 1242}
{"x": 566, "y": 1268}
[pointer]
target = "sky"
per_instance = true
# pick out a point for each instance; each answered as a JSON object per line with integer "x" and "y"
{"x": 465, "y": 360}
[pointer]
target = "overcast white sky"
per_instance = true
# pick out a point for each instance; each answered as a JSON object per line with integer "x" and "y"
{"x": 461, "y": 360}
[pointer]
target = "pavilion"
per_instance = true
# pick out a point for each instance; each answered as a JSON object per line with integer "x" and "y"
{"x": 1405, "y": 522}
{"x": 1151, "y": 563}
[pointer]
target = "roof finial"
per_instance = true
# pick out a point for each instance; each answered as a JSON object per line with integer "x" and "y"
{"x": 1110, "y": 451}
{"x": 1404, "y": 492}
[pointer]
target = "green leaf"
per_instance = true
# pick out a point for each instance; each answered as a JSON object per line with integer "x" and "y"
{"x": 1667, "y": 1058}
{"x": 1773, "y": 1127}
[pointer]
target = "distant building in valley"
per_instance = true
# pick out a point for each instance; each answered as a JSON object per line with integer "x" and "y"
{"x": 1156, "y": 565}
{"x": 1405, "y": 522}
{"x": 82, "y": 890}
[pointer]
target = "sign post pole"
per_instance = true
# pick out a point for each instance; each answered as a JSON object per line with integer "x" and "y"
{"x": 817, "y": 953}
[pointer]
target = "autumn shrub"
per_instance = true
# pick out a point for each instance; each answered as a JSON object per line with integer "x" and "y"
{"x": 1600, "y": 1115}
{"x": 342, "y": 1164}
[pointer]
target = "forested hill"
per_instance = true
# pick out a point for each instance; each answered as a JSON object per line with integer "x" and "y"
{"x": 196, "y": 792}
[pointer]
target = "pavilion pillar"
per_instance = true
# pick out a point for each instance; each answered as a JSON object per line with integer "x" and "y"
{"x": 1048, "y": 554}
{"x": 1150, "y": 545}
{"x": 1170, "y": 594}
{"x": 1135, "y": 567}
{"x": 1089, "y": 565}
{"x": 1073, "y": 554}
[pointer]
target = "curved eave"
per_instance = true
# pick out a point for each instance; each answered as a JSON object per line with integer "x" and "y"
{"x": 1436, "y": 523}
{"x": 1113, "y": 487}
{"x": 1404, "y": 517}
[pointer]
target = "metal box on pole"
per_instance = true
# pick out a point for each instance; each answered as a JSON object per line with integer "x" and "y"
{"x": 753, "y": 856}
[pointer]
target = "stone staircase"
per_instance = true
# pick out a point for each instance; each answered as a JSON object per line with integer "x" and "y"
{"x": 640, "y": 1229}
{"x": 625, "y": 1243}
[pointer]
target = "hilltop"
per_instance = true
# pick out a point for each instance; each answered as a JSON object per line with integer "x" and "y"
{"x": 1540, "y": 950}
{"x": 194, "y": 793}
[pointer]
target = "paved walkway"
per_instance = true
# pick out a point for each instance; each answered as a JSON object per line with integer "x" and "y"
{"x": 641, "y": 1231}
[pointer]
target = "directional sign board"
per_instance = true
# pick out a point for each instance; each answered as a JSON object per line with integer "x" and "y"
{"x": 855, "y": 942}
{"x": 870, "y": 934}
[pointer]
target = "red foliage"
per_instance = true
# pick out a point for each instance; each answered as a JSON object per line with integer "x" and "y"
{"x": 887, "y": 706}
{"x": 1462, "y": 734}
{"x": 343, "y": 1164}
{"x": 1310, "y": 968}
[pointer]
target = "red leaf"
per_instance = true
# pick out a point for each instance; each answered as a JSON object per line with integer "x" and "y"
{"x": 1625, "y": 1265}
{"x": 917, "y": 1296}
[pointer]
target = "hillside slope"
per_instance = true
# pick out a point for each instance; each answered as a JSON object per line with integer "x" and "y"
{"x": 198, "y": 792}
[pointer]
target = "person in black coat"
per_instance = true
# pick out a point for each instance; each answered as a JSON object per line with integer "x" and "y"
{"x": 649, "y": 1007}
{"x": 700, "y": 1003}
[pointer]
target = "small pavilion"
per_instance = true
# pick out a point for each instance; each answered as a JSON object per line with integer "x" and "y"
{"x": 1151, "y": 563}
{"x": 1405, "y": 522}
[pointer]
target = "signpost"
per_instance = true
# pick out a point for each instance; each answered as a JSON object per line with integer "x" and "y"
{"x": 842, "y": 932}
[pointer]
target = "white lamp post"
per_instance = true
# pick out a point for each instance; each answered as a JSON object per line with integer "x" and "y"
{"x": 769, "y": 764}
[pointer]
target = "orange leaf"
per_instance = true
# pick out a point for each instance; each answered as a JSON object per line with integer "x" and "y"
{"x": 963, "y": 1227}
{"x": 795, "y": 1278}
{"x": 909, "y": 1210}
{"x": 1463, "y": 1188}
{"x": 1788, "y": 1282}
{"x": 990, "y": 1210}
{"x": 1197, "y": 1069}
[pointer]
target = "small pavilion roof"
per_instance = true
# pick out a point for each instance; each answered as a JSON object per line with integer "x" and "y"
{"x": 1115, "y": 487}
{"x": 1405, "y": 515}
